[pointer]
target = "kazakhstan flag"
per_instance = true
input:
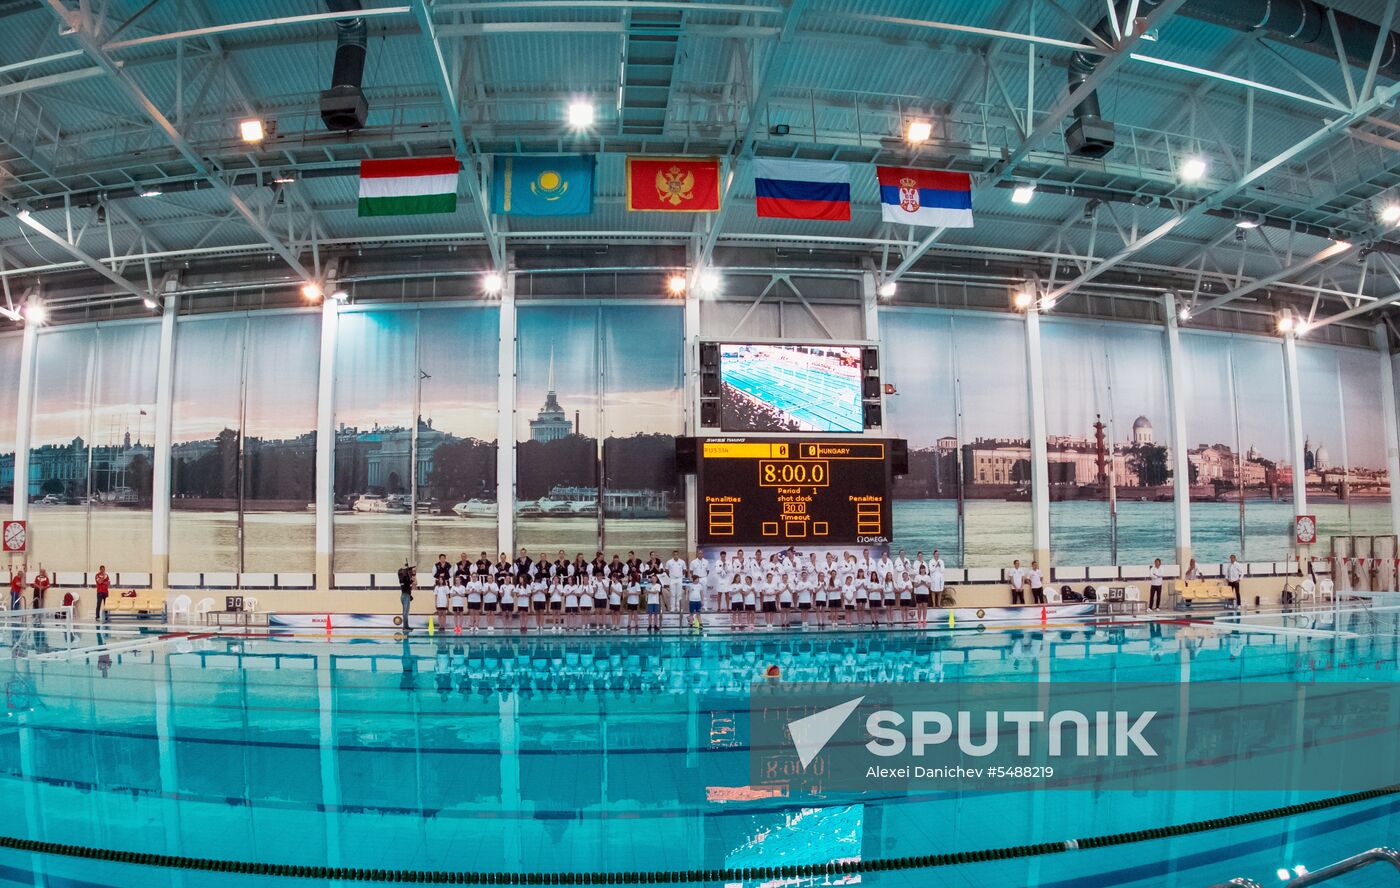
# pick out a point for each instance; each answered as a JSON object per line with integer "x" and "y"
{"x": 543, "y": 185}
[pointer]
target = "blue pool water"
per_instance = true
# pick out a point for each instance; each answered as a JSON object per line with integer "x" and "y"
{"x": 559, "y": 753}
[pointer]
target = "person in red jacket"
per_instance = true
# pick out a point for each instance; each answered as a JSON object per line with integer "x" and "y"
{"x": 104, "y": 586}
{"x": 41, "y": 585}
{"x": 16, "y": 588}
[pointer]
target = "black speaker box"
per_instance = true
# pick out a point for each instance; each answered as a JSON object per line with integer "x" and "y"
{"x": 871, "y": 359}
{"x": 899, "y": 456}
{"x": 709, "y": 413}
{"x": 709, "y": 356}
{"x": 709, "y": 385}
{"x": 687, "y": 454}
{"x": 872, "y": 414}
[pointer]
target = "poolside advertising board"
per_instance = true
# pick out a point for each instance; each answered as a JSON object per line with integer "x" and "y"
{"x": 793, "y": 491}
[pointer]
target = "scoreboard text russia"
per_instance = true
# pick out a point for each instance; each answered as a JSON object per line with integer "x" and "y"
{"x": 793, "y": 491}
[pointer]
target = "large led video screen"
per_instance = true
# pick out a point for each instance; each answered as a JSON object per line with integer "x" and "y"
{"x": 790, "y": 388}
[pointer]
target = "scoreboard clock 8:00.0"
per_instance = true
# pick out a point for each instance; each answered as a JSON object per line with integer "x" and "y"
{"x": 793, "y": 491}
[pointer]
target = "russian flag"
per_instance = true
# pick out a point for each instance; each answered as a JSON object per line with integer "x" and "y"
{"x": 798, "y": 189}
{"x": 925, "y": 197}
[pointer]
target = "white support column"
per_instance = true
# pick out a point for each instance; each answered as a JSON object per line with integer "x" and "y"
{"x": 1176, "y": 398}
{"x": 24, "y": 420}
{"x": 870, "y": 306}
{"x": 505, "y": 420}
{"x": 1295, "y": 431}
{"x": 325, "y": 448}
{"x": 160, "y": 458}
{"x": 1388, "y": 419}
{"x": 1040, "y": 457}
{"x": 690, "y": 388}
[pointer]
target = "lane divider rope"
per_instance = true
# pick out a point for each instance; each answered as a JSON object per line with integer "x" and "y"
{"x": 662, "y": 877}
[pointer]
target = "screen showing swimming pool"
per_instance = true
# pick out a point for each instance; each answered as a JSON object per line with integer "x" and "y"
{"x": 808, "y": 835}
{"x": 790, "y": 388}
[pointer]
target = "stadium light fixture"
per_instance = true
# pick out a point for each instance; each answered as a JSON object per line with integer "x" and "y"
{"x": 340, "y": 295}
{"x": 492, "y": 282}
{"x": 710, "y": 282}
{"x": 1022, "y": 194}
{"x": 1048, "y": 303}
{"x": 311, "y": 291}
{"x": 251, "y": 130}
{"x": 152, "y": 191}
{"x": 1185, "y": 313}
{"x": 887, "y": 289}
{"x": 1247, "y": 222}
{"x": 1390, "y": 213}
{"x": 1192, "y": 169}
{"x": 917, "y": 132}
{"x": 676, "y": 284}
{"x": 1301, "y": 328}
{"x": 1285, "y": 323}
{"x": 1024, "y": 298}
{"x": 284, "y": 178}
{"x": 581, "y": 114}
{"x": 36, "y": 312}
{"x": 149, "y": 303}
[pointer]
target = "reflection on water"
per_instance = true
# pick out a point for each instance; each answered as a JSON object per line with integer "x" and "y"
{"x": 997, "y": 532}
{"x": 72, "y": 538}
{"x": 564, "y": 753}
{"x": 272, "y": 542}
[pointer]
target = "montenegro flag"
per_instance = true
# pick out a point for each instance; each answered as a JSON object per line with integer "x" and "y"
{"x": 673, "y": 184}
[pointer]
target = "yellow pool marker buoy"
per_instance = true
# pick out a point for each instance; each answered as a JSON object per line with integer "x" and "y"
{"x": 431, "y": 628}
{"x": 951, "y": 621}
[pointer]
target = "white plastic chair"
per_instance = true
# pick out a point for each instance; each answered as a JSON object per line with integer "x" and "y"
{"x": 205, "y": 606}
{"x": 1328, "y": 589}
{"x": 250, "y": 604}
{"x": 180, "y": 607}
{"x": 1132, "y": 593}
{"x": 1052, "y": 595}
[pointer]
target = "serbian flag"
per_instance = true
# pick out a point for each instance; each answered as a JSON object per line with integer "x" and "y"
{"x": 925, "y": 197}
{"x": 409, "y": 186}
{"x": 673, "y": 184}
{"x": 797, "y": 189}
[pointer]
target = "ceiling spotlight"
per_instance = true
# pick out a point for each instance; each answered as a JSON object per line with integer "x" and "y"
{"x": 1185, "y": 313}
{"x": 1301, "y": 328}
{"x": 581, "y": 114}
{"x": 1285, "y": 323}
{"x": 1024, "y": 298}
{"x": 339, "y": 295}
{"x": 149, "y": 303}
{"x": 284, "y": 178}
{"x": 1192, "y": 169}
{"x": 886, "y": 290}
{"x": 151, "y": 192}
{"x": 1022, "y": 194}
{"x": 492, "y": 282}
{"x": 1390, "y": 213}
{"x": 1247, "y": 222}
{"x": 709, "y": 281}
{"x": 1048, "y": 303}
{"x": 251, "y": 130}
{"x": 917, "y": 131}
{"x": 36, "y": 312}
{"x": 311, "y": 291}
{"x": 676, "y": 284}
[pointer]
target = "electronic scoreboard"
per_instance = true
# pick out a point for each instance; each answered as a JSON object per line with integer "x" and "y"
{"x": 793, "y": 491}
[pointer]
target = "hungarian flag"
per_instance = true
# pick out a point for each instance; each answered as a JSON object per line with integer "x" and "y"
{"x": 673, "y": 184}
{"x": 410, "y": 186}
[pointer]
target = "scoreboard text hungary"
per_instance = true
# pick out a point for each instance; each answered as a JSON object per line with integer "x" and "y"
{"x": 793, "y": 491}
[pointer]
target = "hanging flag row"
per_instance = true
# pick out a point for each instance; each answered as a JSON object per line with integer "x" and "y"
{"x": 562, "y": 185}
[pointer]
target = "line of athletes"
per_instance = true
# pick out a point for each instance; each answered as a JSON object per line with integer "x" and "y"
{"x": 749, "y": 587}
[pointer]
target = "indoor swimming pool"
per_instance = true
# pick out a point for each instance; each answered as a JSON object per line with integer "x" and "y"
{"x": 587, "y": 755}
